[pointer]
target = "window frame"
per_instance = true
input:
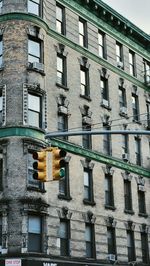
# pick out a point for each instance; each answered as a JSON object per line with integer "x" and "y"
{"x": 62, "y": 70}
{"x": 102, "y": 44}
{"x": 138, "y": 156}
{"x": 111, "y": 240}
{"x": 31, "y": 234}
{"x": 38, "y": 5}
{"x": 128, "y": 197}
{"x": 109, "y": 192}
{"x": 65, "y": 241}
{"x": 131, "y": 246}
{"x": 147, "y": 71}
{"x": 1, "y": 230}
{"x": 40, "y": 57}
{"x": 122, "y": 97}
{"x": 83, "y": 36}
{"x": 141, "y": 203}
{"x": 90, "y": 248}
{"x": 86, "y": 139}
{"x": 1, "y": 51}
{"x": 119, "y": 52}
{"x": 145, "y": 247}
{"x": 135, "y": 108}
{"x": 132, "y": 63}
{"x": 88, "y": 186}
{"x": 84, "y": 82}
{"x": 107, "y": 141}
{"x": 39, "y": 113}
{"x": 63, "y": 124}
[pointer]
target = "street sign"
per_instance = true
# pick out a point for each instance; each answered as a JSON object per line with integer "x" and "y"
{"x": 13, "y": 262}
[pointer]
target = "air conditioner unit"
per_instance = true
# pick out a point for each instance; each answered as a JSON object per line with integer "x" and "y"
{"x": 123, "y": 110}
{"x": 141, "y": 188}
{"x": 125, "y": 156}
{"x": 111, "y": 257}
{"x": 120, "y": 64}
{"x": 86, "y": 120}
{"x": 63, "y": 109}
{"x": 105, "y": 102}
{"x": 37, "y": 66}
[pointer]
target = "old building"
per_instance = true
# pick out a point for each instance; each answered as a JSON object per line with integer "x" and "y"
{"x": 73, "y": 65}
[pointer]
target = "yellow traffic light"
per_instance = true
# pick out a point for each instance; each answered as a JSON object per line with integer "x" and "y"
{"x": 58, "y": 163}
{"x": 39, "y": 166}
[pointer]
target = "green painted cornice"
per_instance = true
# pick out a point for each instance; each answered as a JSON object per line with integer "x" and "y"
{"x": 99, "y": 157}
{"x": 107, "y": 26}
{"x": 22, "y": 132}
{"x": 63, "y": 39}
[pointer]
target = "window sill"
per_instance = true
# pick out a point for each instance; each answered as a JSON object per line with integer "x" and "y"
{"x": 86, "y": 97}
{"x": 129, "y": 211}
{"x": 110, "y": 207}
{"x": 143, "y": 214}
{"x": 89, "y": 202}
{"x": 64, "y": 197}
{"x": 41, "y": 190}
{"x": 106, "y": 106}
{"x": 123, "y": 115}
{"x": 36, "y": 70}
{"x": 62, "y": 86}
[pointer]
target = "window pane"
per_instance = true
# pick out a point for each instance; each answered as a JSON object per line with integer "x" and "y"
{"x": 81, "y": 28}
{"x": 83, "y": 78}
{"x": 86, "y": 179}
{"x": 33, "y": 118}
{"x": 59, "y": 64}
{"x": 34, "y": 102}
{"x": 34, "y": 48}
{"x": 88, "y": 233}
{"x": 63, "y": 230}
{"x": 33, "y": 7}
{"x": 34, "y": 225}
{"x": 59, "y": 13}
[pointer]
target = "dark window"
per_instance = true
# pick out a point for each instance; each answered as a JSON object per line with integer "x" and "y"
{"x": 1, "y": 174}
{"x": 132, "y": 67}
{"x": 34, "y": 110}
{"x": 130, "y": 246}
{"x": 135, "y": 107}
{"x": 119, "y": 54}
{"x": 104, "y": 90}
{"x": 60, "y": 19}
{"x": 138, "y": 151}
{"x": 109, "y": 195}
{"x": 111, "y": 239}
{"x": 141, "y": 200}
{"x": 147, "y": 71}
{"x": 32, "y": 182}
{"x": 88, "y": 186}
{"x": 145, "y": 248}
{"x": 107, "y": 141}
{"x": 63, "y": 124}
{"x": 64, "y": 187}
{"x": 61, "y": 70}
{"x": 90, "y": 240}
{"x": 1, "y": 107}
{"x": 84, "y": 81}
{"x": 1, "y": 51}
{"x": 125, "y": 146}
{"x": 34, "y": 234}
{"x": 86, "y": 139}
{"x": 0, "y": 230}
{"x": 122, "y": 97}
{"x": 148, "y": 114}
{"x": 101, "y": 44}
{"x": 64, "y": 235}
{"x": 83, "y": 33}
{"x": 34, "y": 7}
{"x": 34, "y": 51}
{"x": 127, "y": 195}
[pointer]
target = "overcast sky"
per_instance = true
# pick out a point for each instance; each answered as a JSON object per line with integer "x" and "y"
{"x": 137, "y": 11}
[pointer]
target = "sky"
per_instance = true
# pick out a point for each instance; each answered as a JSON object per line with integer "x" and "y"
{"x": 137, "y": 11}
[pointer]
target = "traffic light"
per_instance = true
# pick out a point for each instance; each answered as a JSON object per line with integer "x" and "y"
{"x": 58, "y": 163}
{"x": 39, "y": 166}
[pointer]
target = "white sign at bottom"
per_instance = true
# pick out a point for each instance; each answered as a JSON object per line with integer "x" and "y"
{"x": 13, "y": 262}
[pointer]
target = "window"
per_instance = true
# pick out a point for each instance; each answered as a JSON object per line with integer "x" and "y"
{"x": 107, "y": 141}
{"x": 144, "y": 247}
{"x": 34, "y": 51}
{"x": 104, "y": 91}
{"x": 0, "y": 230}
{"x": 88, "y": 186}
{"x": 1, "y": 51}
{"x": 130, "y": 246}
{"x": 61, "y": 70}
{"x": 101, "y": 44}
{"x": 34, "y": 7}
{"x": 86, "y": 139}
{"x": 111, "y": 239}
{"x": 84, "y": 81}
{"x": 34, "y": 234}
{"x": 90, "y": 240}
{"x": 83, "y": 33}
{"x": 135, "y": 107}
{"x": 35, "y": 184}
{"x": 148, "y": 114}
{"x": 109, "y": 194}
{"x": 122, "y": 98}
{"x": 138, "y": 160}
{"x": 132, "y": 68}
{"x": 63, "y": 124}
{"x": 34, "y": 110}
{"x": 147, "y": 71}
{"x": 60, "y": 19}
{"x": 64, "y": 235}
{"x": 1, "y": 5}
{"x": 119, "y": 54}
{"x": 125, "y": 146}
{"x": 141, "y": 200}
{"x": 128, "y": 196}
{"x": 64, "y": 187}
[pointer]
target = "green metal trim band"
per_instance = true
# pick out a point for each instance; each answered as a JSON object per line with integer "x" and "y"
{"x": 78, "y": 48}
{"x": 21, "y": 132}
{"x": 99, "y": 157}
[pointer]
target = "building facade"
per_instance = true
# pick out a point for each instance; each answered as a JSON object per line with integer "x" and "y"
{"x": 73, "y": 65}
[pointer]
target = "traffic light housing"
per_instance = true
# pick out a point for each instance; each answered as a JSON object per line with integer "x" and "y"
{"x": 58, "y": 163}
{"x": 39, "y": 166}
